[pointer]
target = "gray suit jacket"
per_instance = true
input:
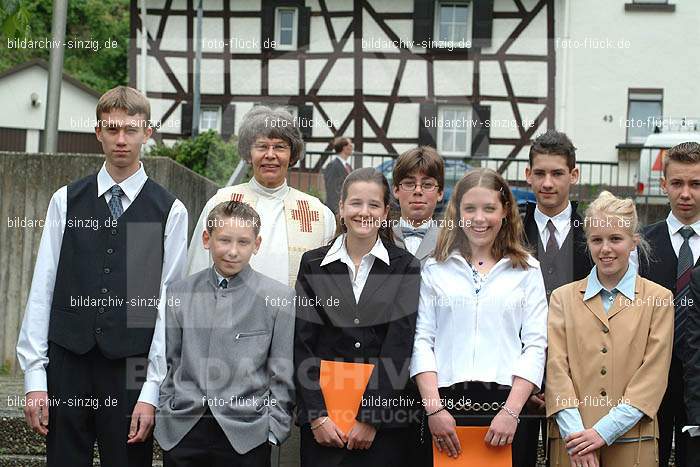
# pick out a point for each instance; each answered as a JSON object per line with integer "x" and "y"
{"x": 334, "y": 175}
{"x": 427, "y": 245}
{"x": 230, "y": 349}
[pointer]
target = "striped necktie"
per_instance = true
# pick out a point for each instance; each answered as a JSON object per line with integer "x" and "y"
{"x": 683, "y": 298}
{"x": 223, "y": 284}
{"x": 115, "y": 202}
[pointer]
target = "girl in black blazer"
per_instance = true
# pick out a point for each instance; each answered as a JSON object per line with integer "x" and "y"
{"x": 357, "y": 301}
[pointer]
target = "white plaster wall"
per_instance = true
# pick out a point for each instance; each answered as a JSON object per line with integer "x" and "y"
{"x": 77, "y": 108}
{"x": 642, "y": 50}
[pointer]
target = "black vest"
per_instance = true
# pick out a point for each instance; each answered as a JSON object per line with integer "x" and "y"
{"x": 571, "y": 263}
{"x": 109, "y": 272}
{"x": 661, "y": 266}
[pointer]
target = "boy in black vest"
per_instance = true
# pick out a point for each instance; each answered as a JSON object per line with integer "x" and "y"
{"x": 92, "y": 340}
{"x": 675, "y": 249}
{"x": 554, "y": 232}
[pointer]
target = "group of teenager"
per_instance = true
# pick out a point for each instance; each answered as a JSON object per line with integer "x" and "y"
{"x": 578, "y": 330}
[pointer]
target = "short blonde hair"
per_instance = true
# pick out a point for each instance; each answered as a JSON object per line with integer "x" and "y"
{"x": 123, "y": 98}
{"x": 624, "y": 209}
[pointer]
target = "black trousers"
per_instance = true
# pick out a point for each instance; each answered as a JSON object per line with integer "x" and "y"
{"x": 206, "y": 444}
{"x": 694, "y": 451}
{"x": 474, "y": 391}
{"x": 530, "y": 428}
{"x": 672, "y": 417}
{"x": 91, "y": 399}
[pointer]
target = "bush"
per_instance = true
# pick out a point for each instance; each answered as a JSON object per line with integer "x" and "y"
{"x": 207, "y": 154}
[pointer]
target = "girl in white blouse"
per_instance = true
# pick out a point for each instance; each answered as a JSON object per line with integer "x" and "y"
{"x": 481, "y": 335}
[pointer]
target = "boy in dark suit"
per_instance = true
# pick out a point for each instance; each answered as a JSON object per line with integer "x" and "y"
{"x": 675, "y": 248}
{"x": 691, "y": 372}
{"x": 92, "y": 340}
{"x": 228, "y": 393}
{"x": 554, "y": 232}
{"x": 335, "y": 172}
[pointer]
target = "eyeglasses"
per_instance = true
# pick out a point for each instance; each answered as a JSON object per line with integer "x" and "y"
{"x": 425, "y": 186}
{"x": 276, "y": 148}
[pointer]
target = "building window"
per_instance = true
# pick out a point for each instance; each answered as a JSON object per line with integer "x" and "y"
{"x": 453, "y": 127}
{"x": 209, "y": 119}
{"x": 286, "y": 28}
{"x": 644, "y": 112}
{"x": 452, "y": 21}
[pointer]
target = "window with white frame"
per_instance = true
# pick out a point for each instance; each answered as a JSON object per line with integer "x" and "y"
{"x": 453, "y": 130}
{"x": 452, "y": 21}
{"x": 210, "y": 119}
{"x": 285, "y": 28}
{"x": 644, "y": 112}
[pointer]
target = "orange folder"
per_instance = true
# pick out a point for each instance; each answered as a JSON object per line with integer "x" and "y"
{"x": 475, "y": 452}
{"x": 343, "y": 385}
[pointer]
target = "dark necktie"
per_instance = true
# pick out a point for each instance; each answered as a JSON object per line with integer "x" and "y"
{"x": 223, "y": 284}
{"x": 683, "y": 298}
{"x": 115, "y": 203}
{"x": 552, "y": 245}
{"x": 408, "y": 231}
{"x": 348, "y": 168}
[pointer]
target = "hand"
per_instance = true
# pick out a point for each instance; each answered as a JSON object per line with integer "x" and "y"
{"x": 584, "y": 442}
{"x": 536, "y": 403}
{"x": 361, "y": 436}
{"x": 142, "y": 421}
{"x": 328, "y": 434}
{"x": 502, "y": 430}
{"x": 587, "y": 460}
{"x": 36, "y": 411}
{"x": 442, "y": 426}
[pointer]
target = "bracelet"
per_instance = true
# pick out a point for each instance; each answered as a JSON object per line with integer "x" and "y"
{"x": 434, "y": 412}
{"x": 319, "y": 425}
{"x": 511, "y": 413}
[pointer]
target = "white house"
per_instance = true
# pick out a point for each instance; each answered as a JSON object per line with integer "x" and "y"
{"x": 23, "y": 97}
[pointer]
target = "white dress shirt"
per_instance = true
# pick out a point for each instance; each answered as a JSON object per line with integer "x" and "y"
{"x": 562, "y": 223}
{"x": 338, "y": 252}
{"x": 33, "y": 344}
{"x": 413, "y": 242}
{"x": 492, "y": 336}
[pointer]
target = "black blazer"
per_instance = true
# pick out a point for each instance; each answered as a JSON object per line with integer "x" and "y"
{"x": 334, "y": 175}
{"x": 379, "y": 330}
{"x": 582, "y": 262}
{"x": 691, "y": 367}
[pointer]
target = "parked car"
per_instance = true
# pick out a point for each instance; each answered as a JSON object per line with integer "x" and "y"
{"x": 651, "y": 162}
{"x": 454, "y": 171}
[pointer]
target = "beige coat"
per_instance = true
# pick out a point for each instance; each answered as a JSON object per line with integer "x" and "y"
{"x": 597, "y": 360}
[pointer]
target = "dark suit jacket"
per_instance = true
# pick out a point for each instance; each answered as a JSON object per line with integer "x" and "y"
{"x": 334, "y": 175}
{"x": 379, "y": 330}
{"x": 691, "y": 366}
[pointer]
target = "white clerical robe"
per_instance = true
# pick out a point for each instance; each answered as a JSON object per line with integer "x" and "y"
{"x": 276, "y": 250}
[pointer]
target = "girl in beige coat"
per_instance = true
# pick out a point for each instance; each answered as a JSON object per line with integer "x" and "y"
{"x": 610, "y": 341}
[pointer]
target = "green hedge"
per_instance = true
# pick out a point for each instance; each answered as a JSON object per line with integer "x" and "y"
{"x": 207, "y": 154}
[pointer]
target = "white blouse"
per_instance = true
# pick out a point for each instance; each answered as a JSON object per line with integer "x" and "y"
{"x": 492, "y": 336}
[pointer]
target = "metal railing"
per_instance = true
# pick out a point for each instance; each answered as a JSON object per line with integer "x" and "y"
{"x": 594, "y": 175}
